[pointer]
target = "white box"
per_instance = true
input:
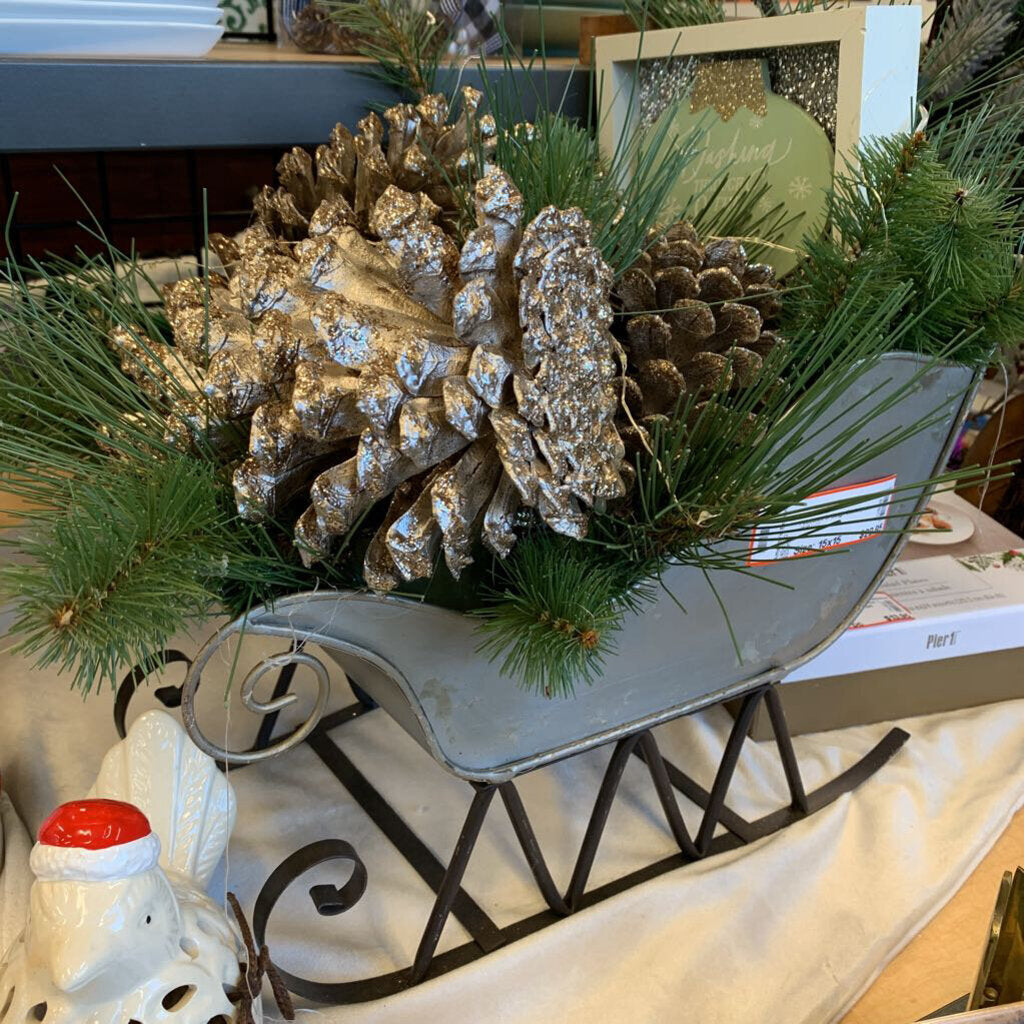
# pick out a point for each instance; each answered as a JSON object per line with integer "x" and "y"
{"x": 931, "y": 609}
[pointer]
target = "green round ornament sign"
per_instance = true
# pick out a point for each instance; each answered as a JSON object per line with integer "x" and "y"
{"x": 748, "y": 130}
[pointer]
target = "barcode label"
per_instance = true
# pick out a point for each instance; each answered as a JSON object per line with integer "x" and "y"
{"x": 799, "y": 532}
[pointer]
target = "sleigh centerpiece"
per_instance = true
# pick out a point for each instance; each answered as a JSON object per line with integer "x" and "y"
{"x": 422, "y": 665}
{"x": 536, "y": 479}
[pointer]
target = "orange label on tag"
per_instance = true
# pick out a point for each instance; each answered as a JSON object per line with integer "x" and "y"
{"x": 850, "y": 514}
{"x": 881, "y": 610}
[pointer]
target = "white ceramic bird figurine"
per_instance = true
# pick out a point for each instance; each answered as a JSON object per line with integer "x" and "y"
{"x": 120, "y": 930}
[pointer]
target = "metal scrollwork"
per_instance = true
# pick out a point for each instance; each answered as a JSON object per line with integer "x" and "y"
{"x": 286, "y": 661}
{"x": 329, "y": 901}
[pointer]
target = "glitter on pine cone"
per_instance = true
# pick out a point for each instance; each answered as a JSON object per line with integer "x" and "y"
{"x": 709, "y": 332}
{"x": 413, "y": 147}
{"x": 462, "y": 384}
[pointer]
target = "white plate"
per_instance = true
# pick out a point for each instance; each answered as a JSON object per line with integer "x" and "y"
{"x": 961, "y": 525}
{"x": 41, "y": 38}
{"x": 101, "y": 10}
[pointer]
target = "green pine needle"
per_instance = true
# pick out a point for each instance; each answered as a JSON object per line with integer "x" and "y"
{"x": 124, "y": 564}
{"x": 555, "y": 615}
{"x": 405, "y": 40}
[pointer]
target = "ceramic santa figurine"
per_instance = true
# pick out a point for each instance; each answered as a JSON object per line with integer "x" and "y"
{"x": 120, "y": 929}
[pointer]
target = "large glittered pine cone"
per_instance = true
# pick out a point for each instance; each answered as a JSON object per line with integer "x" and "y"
{"x": 462, "y": 384}
{"x": 696, "y": 320}
{"x": 337, "y": 189}
{"x": 420, "y": 151}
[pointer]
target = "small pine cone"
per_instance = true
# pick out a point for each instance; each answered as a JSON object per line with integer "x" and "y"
{"x": 680, "y": 253}
{"x": 703, "y": 309}
{"x": 692, "y": 325}
{"x": 746, "y": 365}
{"x": 736, "y": 324}
{"x": 717, "y": 285}
{"x": 661, "y": 385}
{"x": 631, "y": 397}
{"x": 728, "y": 253}
{"x": 674, "y": 284}
{"x": 708, "y": 372}
{"x": 649, "y": 338}
{"x": 636, "y": 291}
{"x": 682, "y": 230}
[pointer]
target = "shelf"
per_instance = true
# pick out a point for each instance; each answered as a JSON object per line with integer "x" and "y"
{"x": 241, "y": 94}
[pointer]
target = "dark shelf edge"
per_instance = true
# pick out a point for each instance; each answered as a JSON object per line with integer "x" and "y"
{"x": 65, "y": 105}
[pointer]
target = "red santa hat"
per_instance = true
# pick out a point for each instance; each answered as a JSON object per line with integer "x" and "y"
{"x": 94, "y": 841}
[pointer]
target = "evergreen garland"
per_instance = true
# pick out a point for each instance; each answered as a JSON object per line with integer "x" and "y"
{"x": 947, "y": 228}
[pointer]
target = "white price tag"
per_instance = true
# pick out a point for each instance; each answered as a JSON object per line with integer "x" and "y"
{"x": 855, "y": 522}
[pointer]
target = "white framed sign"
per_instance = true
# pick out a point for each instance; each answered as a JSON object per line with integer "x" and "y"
{"x": 795, "y": 94}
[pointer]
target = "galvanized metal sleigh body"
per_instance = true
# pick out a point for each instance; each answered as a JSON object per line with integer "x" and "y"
{"x": 418, "y": 664}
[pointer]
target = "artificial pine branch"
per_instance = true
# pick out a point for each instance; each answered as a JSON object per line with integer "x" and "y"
{"x": 973, "y": 34}
{"x": 939, "y": 215}
{"x": 556, "y": 610}
{"x": 124, "y": 563}
{"x": 405, "y": 40}
{"x": 129, "y": 537}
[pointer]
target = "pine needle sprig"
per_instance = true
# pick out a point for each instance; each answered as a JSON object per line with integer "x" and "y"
{"x": 674, "y": 13}
{"x": 556, "y": 610}
{"x": 406, "y": 41}
{"x": 939, "y": 213}
{"x": 124, "y": 564}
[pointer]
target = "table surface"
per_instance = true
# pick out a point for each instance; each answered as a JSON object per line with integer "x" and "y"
{"x": 240, "y": 94}
{"x": 940, "y": 963}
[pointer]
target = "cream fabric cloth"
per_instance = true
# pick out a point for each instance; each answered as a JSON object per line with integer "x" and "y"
{"x": 14, "y": 874}
{"x": 790, "y": 929}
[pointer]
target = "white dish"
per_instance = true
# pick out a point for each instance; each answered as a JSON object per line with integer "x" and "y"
{"x": 41, "y": 38}
{"x": 961, "y": 526}
{"x": 101, "y": 10}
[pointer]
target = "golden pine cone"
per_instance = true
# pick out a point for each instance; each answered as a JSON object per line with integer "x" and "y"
{"x": 462, "y": 383}
{"x": 414, "y": 147}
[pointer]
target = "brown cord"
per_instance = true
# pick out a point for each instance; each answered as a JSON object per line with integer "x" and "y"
{"x": 258, "y": 965}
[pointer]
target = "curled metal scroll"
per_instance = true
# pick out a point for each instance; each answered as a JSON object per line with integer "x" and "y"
{"x": 250, "y": 701}
{"x": 329, "y": 901}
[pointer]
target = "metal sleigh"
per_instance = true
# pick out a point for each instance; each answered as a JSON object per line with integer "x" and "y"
{"x": 418, "y": 664}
